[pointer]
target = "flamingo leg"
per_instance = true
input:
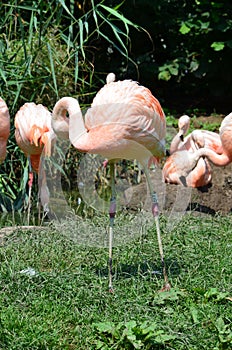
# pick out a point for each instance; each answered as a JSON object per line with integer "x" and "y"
{"x": 112, "y": 212}
{"x": 30, "y": 183}
{"x": 155, "y": 212}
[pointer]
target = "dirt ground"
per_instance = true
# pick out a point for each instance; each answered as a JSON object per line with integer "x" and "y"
{"x": 211, "y": 199}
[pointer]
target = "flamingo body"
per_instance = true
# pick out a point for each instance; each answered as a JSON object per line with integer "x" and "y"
{"x": 125, "y": 121}
{"x": 174, "y": 171}
{"x": 4, "y": 128}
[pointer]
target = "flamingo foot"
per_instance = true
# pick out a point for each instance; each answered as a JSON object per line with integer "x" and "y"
{"x": 111, "y": 290}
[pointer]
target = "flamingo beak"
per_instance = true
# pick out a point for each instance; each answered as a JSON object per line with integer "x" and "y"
{"x": 183, "y": 180}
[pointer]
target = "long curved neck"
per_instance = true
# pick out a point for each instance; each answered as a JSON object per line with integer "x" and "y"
{"x": 176, "y": 142}
{"x": 217, "y": 159}
{"x": 75, "y": 123}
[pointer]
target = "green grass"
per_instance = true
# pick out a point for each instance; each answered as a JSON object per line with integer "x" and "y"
{"x": 66, "y": 304}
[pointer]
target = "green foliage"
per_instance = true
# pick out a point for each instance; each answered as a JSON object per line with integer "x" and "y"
{"x": 131, "y": 335}
{"x": 199, "y": 22}
{"x": 224, "y": 334}
{"x": 214, "y": 293}
{"x": 168, "y": 70}
{"x": 48, "y": 48}
{"x": 13, "y": 179}
{"x": 218, "y": 46}
{"x": 192, "y": 49}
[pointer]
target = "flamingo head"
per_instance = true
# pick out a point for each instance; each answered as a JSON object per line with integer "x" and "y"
{"x": 183, "y": 125}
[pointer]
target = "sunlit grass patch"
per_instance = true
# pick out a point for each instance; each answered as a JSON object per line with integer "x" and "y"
{"x": 66, "y": 304}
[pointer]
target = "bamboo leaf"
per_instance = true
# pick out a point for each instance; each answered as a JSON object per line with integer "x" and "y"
{"x": 31, "y": 29}
{"x": 95, "y": 15}
{"x": 76, "y": 67}
{"x": 19, "y": 88}
{"x": 3, "y": 75}
{"x": 116, "y": 31}
{"x": 119, "y": 16}
{"x": 86, "y": 24}
{"x": 113, "y": 43}
{"x": 66, "y": 9}
{"x": 81, "y": 37}
{"x": 52, "y": 68}
{"x": 117, "y": 48}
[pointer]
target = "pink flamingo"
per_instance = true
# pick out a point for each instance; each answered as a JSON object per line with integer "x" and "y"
{"x": 4, "y": 128}
{"x": 34, "y": 134}
{"x": 185, "y": 161}
{"x": 125, "y": 121}
{"x": 201, "y": 175}
{"x": 211, "y": 139}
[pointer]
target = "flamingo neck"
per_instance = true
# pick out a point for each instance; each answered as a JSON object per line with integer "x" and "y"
{"x": 77, "y": 130}
{"x": 217, "y": 159}
{"x": 176, "y": 142}
{"x": 75, "y": 124}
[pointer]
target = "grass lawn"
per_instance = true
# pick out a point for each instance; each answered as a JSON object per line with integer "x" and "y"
{"x": 54, "y": 292}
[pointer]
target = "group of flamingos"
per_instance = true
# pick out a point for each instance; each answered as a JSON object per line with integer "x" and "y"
{"x": 125, "y": 121}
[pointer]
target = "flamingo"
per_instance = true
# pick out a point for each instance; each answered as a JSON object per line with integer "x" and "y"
{"x": 185, "y": 161}
{"x": 125, "y": 121}
{"x": 4, "y": 128}
{"x": 201, "y": 175}
{"x": 34, "y": 134}
{"x": 211, "y": 139}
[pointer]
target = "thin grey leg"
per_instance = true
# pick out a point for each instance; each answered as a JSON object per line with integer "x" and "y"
{"x": 30, "y": 183}
{"x": 155, "y": 212}
{"x": 112, "y": 213}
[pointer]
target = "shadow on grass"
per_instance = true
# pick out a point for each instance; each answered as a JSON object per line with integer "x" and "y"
{"x": 201, "y": 209}
{"x": 144, "y": 269}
